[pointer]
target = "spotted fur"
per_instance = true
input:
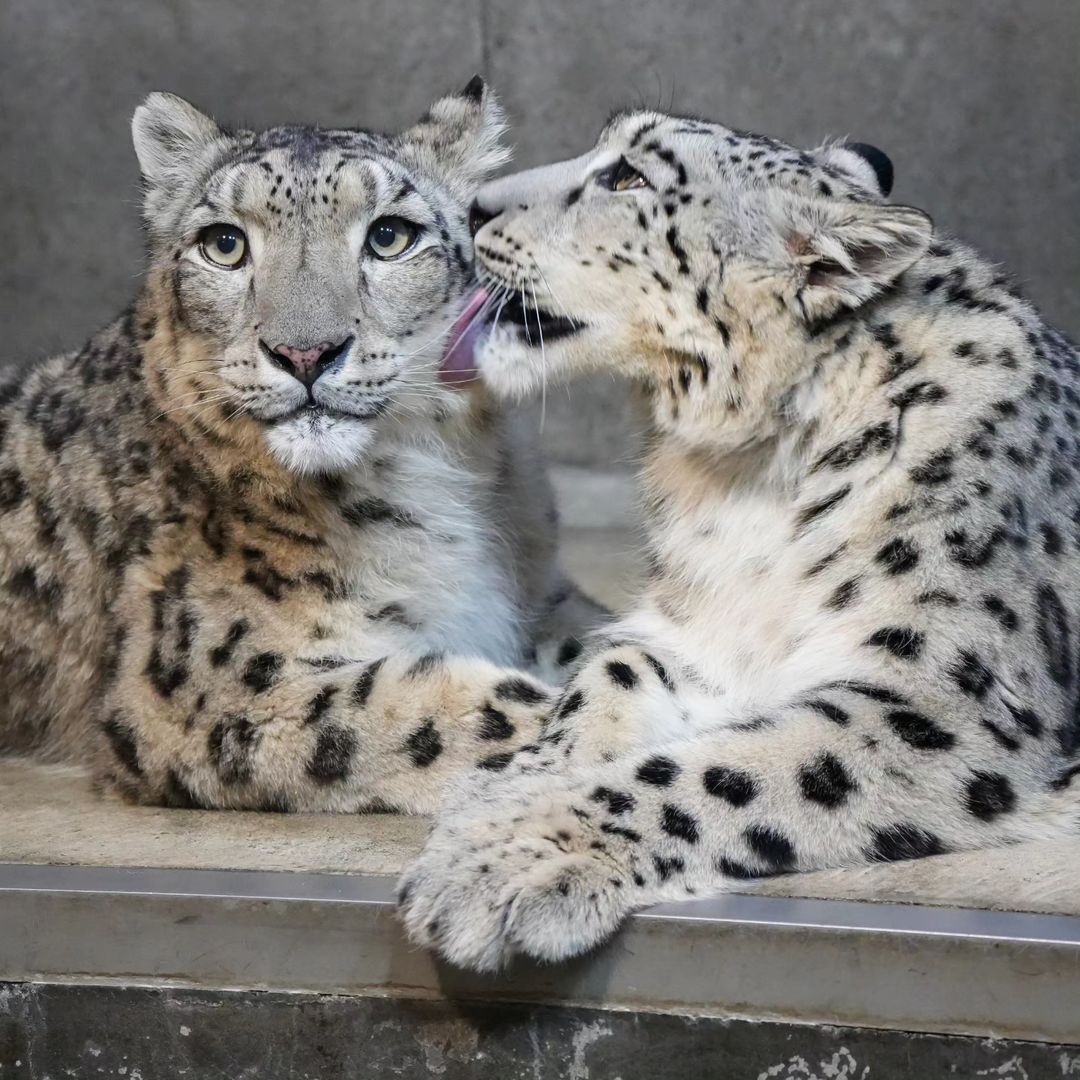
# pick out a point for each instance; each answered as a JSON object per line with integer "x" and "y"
{"x": 225, "y": 590}
{"x": 860, "y": 636}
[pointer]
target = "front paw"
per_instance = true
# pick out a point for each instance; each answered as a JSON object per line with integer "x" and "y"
{"x": 541, "y": 880}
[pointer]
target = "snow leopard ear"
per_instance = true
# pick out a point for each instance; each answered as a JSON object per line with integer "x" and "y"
{"x": 849, "y": 252}
{"x": 862, "y": 163}
{"x": 170, "y": 137}
{"x": 459, "y": 140}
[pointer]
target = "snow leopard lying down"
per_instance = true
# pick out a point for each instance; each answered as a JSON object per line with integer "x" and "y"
{"x": 859, "y": 638}
{"x": 246, "y": 529}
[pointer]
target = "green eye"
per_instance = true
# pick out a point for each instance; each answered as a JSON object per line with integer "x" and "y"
{"x": 389, "y": 237}
{"x": 223, "y": 245}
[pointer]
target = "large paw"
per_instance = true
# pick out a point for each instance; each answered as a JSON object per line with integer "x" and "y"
{"x": 535, "y": 877}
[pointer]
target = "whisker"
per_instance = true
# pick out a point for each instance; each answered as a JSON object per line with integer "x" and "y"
{"x": 235, "y": 413}
{"x": 498, "y": 314}
{"x": 543, "y": 364}
{"x": 189, "y": 405}
{"x": 553, "y": 294}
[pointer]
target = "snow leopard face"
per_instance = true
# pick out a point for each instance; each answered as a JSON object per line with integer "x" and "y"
{"x": 686, "y": 255}
{"x": 309, "y": 274}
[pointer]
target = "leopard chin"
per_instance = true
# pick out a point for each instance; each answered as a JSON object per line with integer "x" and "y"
{"x": 316, "y": 441}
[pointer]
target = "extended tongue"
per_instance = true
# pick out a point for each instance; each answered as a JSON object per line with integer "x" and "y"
{"x": 459, "y": 363}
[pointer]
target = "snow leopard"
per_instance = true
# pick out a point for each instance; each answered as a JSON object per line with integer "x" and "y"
{"x": 256, "y": 551}
{"x": 859, "y": 636}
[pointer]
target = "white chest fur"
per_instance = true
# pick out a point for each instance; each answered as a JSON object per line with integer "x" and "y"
{"x": 735, "y": 603}
{"x": 426, "y": 562}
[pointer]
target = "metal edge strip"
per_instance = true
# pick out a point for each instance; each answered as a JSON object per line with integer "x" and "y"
{"x": 851, "y": 916}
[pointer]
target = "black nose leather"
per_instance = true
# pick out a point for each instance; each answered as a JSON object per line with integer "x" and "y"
{"x": 307, "y": 365}
{"x": 479, "y": 217}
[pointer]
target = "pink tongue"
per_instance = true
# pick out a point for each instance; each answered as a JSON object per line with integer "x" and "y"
{"x": 458, "y": 364}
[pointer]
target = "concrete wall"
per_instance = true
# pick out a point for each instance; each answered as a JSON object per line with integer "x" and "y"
{"x": 976, "y": 101}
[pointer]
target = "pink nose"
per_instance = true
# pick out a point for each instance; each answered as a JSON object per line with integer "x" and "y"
{"x": 308, "y": 364}
{"x": 303, "y": 358}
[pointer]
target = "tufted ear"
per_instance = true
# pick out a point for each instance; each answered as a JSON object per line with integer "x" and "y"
{"x": 460, "y": 138}
{"x": 170, "y": 137}
{"x": 866, "y": 165}
{"x": 849, "y": 252}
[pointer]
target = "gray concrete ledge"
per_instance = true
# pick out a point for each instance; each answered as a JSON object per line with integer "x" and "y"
{"x": 984, "y": 973}
{"x": 53, "y": 1031}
